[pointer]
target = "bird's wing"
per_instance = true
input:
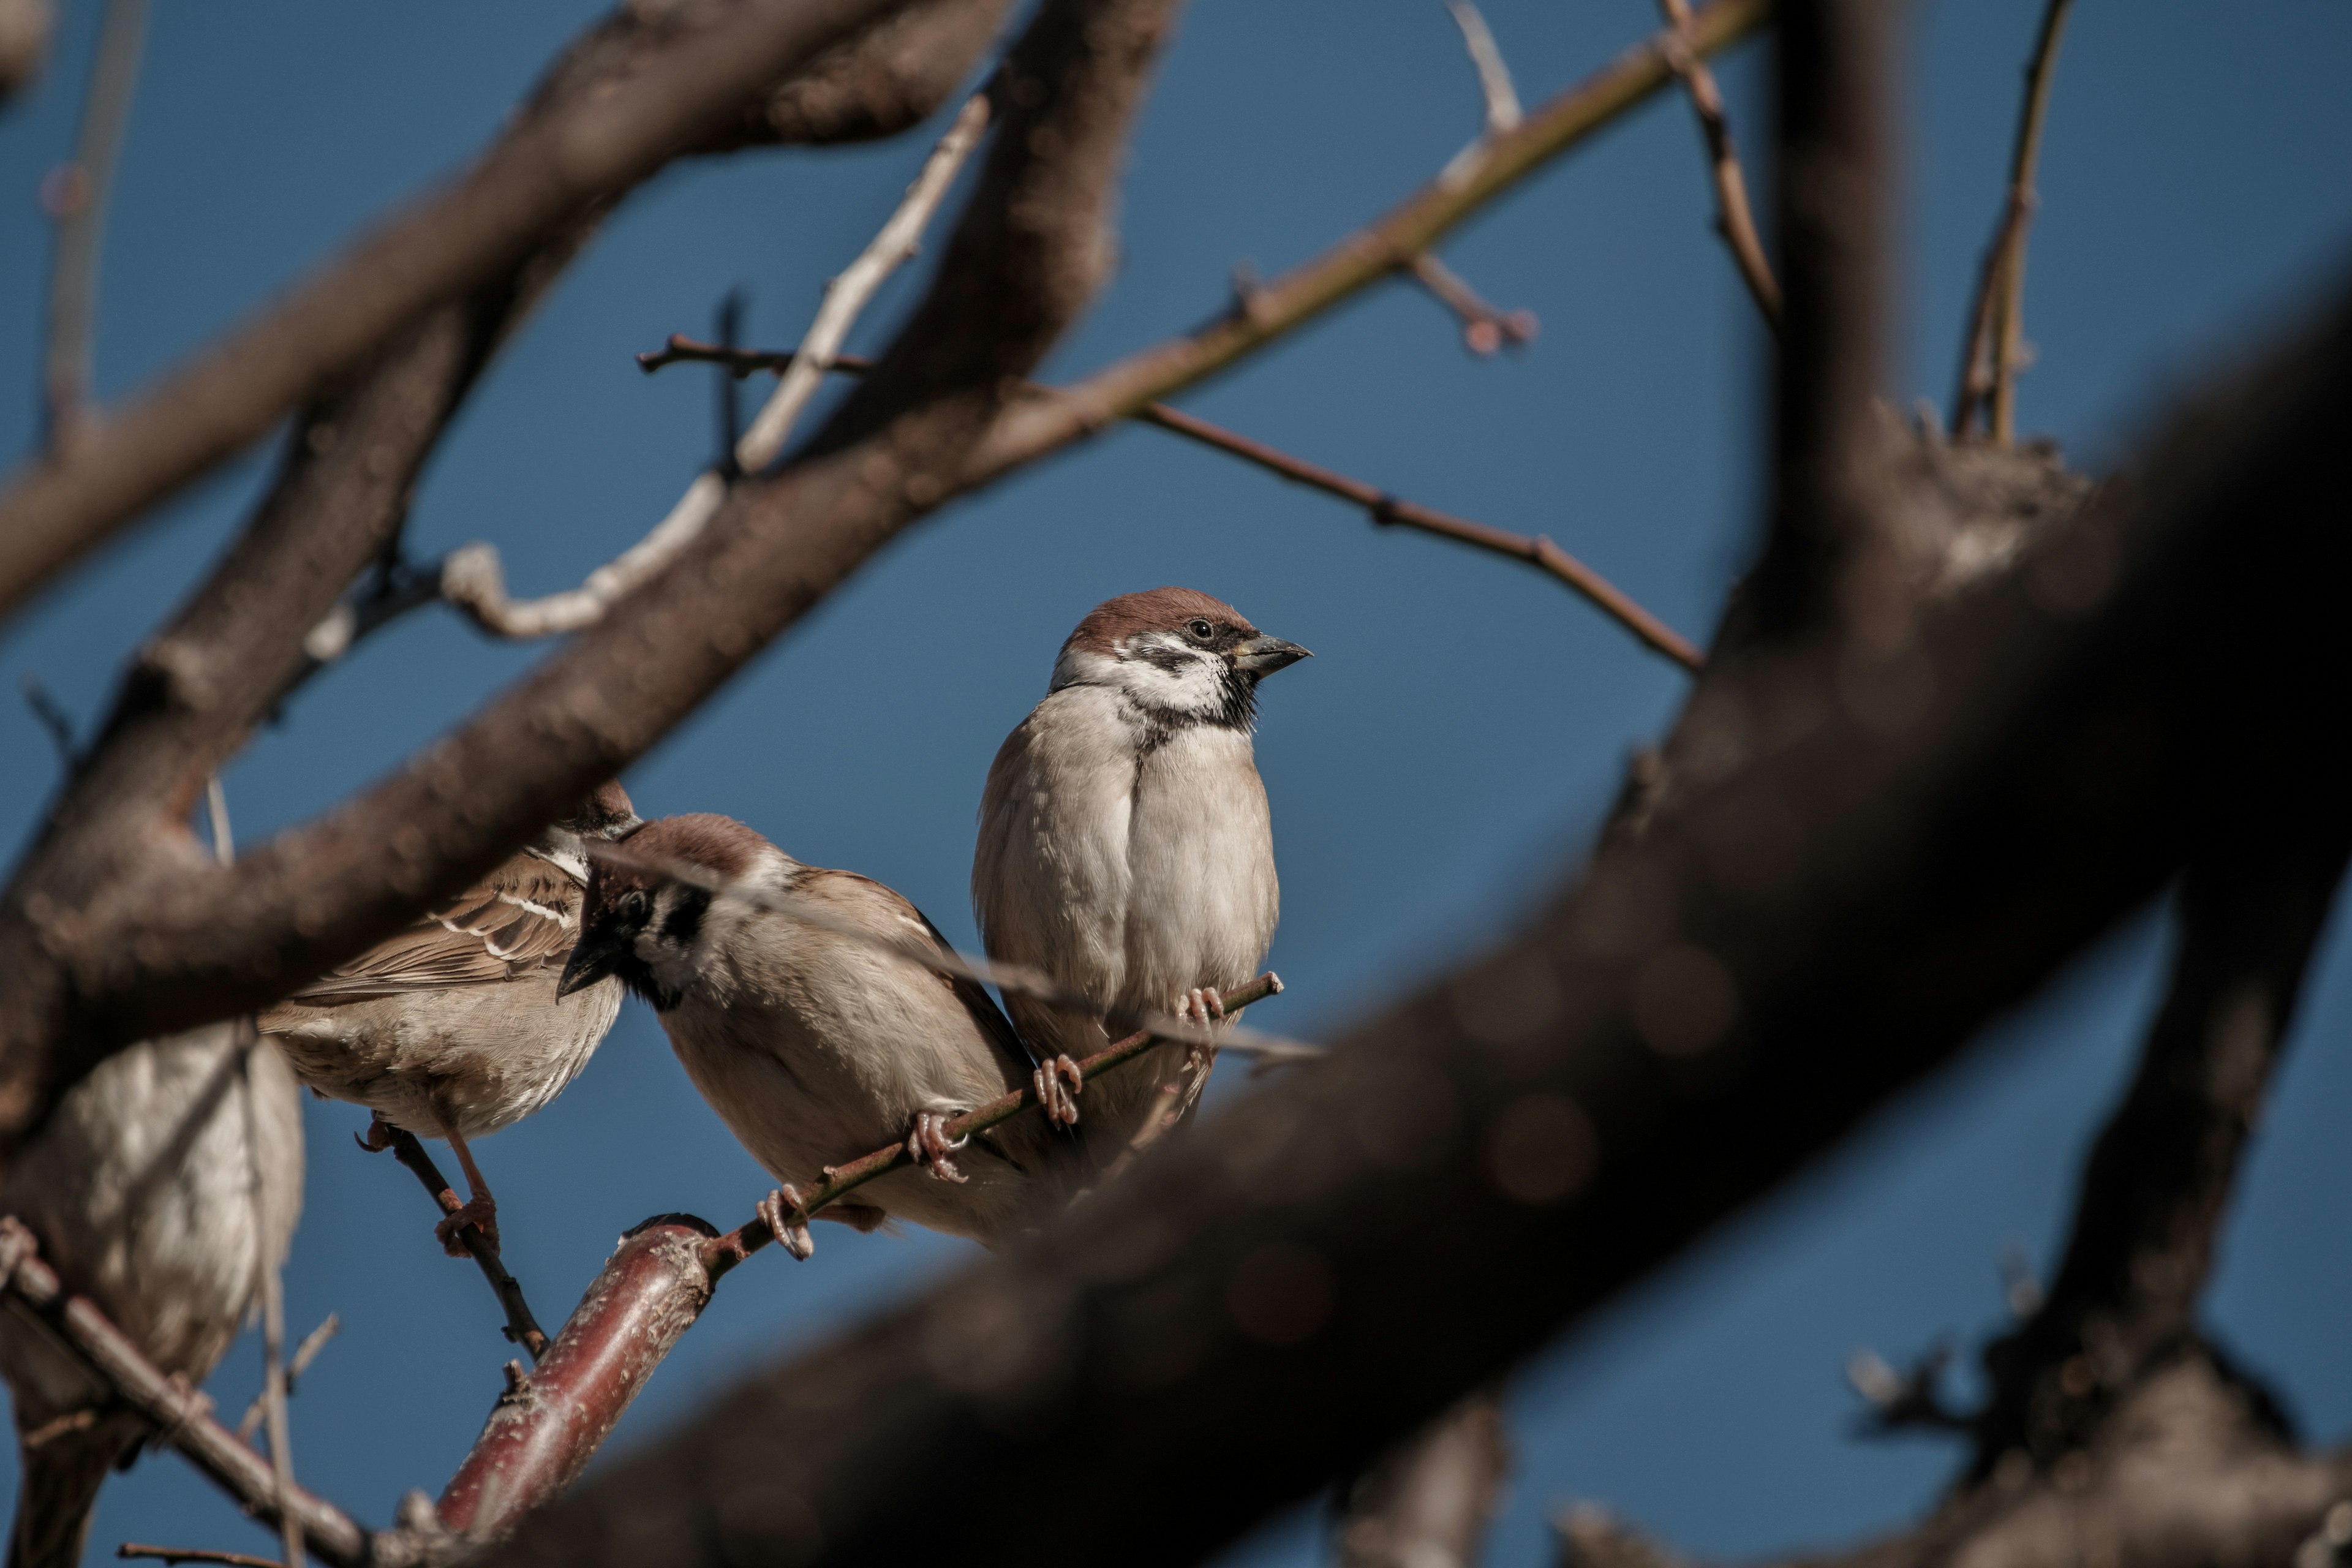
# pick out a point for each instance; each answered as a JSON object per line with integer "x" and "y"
{"x": 901, "y": 918}
{"x": 522, "y": 916}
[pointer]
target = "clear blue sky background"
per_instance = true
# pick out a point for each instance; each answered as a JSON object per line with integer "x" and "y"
{"x": 1451, "y": 746}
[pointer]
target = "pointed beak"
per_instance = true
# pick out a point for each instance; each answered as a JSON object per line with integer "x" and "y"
{"x": 1263, "y": 656}
{"x": 593, "y": 958}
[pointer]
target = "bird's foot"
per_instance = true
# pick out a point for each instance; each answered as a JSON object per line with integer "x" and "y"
{"x": 378, "y": 1136}
{"x": 788, "y": 1221}
{"x": 930, "y": 1146}
{"x": 1203, "y": 1004}
{"x": 1058, "y": 1083}
{"x": 481, "y": 1212}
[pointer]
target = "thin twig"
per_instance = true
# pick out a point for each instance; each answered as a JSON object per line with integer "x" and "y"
{"x": 182, "y": 1416}
{"x": 77, "y": 196}
{"x": 473, "y": 578}
{"x": 1734, "y": 220}
{"x": 1014, "y": 979}
{"x": 53, "y": 718}
{"x": 1383, "y": 507}
{"x": 520, "y": 1328}
{"x": 133, "y": 1549}
{"x": 1485, "y": 328}
{"x": 1502, "y": 113}
{"x": 724, "y": 1252}
{"x": 1995, "y": 349}
{"x": 304, "y": 1354}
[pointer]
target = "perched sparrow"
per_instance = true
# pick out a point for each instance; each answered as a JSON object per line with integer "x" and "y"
{"x": 163, "y": 1185}
{"x": 815, "y": 1048}
{"x": 1125, "y": 847}
{"x": 454, "y": 1028}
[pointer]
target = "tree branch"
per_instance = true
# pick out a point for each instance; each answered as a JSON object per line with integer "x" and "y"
{"x": 545, "y": 174}
{"x": 520, "y": 1328}
{"x": 197, "y": 689}
{"x": 2124, "y": 1303}
{"x": 182, "y": 1416}
{"x": 80, "y": 191}
{"x": 932, "y": 422}
{"x": 1331, "y": 1262}
{"x": 1733, "y": 219}
{"x": 1994, "y": 352}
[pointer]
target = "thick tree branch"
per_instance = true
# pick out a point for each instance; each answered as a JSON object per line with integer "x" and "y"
{"x": 1787, "y": 949}
{"x": 1821, "y": 559}
{"x": 2124, "y": 1303}
{"x": 932, "y": 422}
{"x": 551, "y": 170}
{"x": 197, "y": 689}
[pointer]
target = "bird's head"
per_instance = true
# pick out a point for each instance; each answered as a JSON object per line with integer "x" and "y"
{"x": 651, "y": 931}
{"x": 1177, "y": 653}
{"x": 605, "y": 815}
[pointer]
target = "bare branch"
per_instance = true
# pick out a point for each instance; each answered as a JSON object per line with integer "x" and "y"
{"x": 1484, "y": 329}
{"x": 1994, "y": 352}
{"x": 304, "y": 1354}
{"x": 78, "y": 194}
{"x": 1734, "y": 220}
{"x": 1382, "y": 507}
{"x": 1673, "y": 1036}
{"x": 182, "y": 1416}
{"x": 132, "y": 1550}
{"x": 1825, "y": 559}
{"x": 197, "y": 688}
{"x": 52, "y": 717}
{"x": 1503, "y": 113}
{"x": 545, "y": 174}
{"x": 932, "y": 423}
{"x": 522, "y": 1328}
{"x": 2123, "y": 1305}
{"x": 25, "y": 29}
{"x": 473, "y": 581}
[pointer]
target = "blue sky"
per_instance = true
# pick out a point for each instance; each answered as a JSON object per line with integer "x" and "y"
{"x": 2193, "y": 194}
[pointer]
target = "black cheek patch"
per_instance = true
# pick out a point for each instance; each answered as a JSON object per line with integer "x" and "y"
{"x": 685, "y": 921}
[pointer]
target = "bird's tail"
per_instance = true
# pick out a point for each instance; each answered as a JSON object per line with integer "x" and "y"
{"x": 57, "y": 1489}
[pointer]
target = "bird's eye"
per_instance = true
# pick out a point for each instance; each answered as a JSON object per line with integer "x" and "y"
{"x": 634, "y": 903}
{"x": 1202, "y": 629}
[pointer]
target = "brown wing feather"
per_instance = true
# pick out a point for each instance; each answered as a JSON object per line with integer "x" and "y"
{"x": 522, "y": 916}
{"x": 983, "y": 1008}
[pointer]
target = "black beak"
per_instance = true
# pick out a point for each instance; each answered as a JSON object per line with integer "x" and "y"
{"x": 1263, "y": 656}
{"x": 596, "y": 956}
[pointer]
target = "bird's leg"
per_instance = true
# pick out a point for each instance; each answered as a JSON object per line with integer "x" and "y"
{"x": 1057, "y": 1082}
{"x": 1203, "y": 1005}
{"x": 480, "y": 1210}
{"x": 788, "y": 1221}
{"x": 929, "y": 1146}
{"x": 378, "y": 1136}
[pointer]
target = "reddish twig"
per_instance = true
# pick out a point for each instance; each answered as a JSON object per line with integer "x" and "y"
{"x": 550, "y": 1420}
{"x": 1538, "y": 551}
{"x": 1734, "y": 220}
{"x": 1485, "y": 328}
{"x": 520, "y": 1328}
{"x": 182, "y": 1416}
{"x": 1994, "y": 352}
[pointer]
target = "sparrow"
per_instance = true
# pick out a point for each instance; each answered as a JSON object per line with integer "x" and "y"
{"x": 162, "y": 1187}
{"x": 454, "y": 1028}
{"x": 1126, "y": 850}
{"x": 814, "y": 1047}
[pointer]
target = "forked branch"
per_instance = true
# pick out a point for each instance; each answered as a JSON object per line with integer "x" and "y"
{"x": 1734, "y": 220}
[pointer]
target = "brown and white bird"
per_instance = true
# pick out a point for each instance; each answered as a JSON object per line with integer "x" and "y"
{"x": 1126, "y": 847}
{"x": 455, "y": 1027}
{"x": 812, "y": 1046}
{"x": 163, "y": 1185}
